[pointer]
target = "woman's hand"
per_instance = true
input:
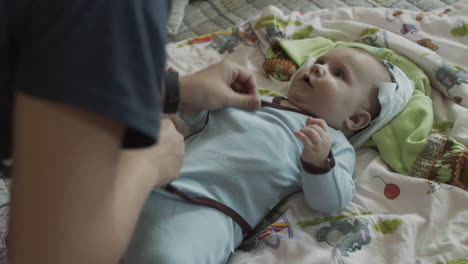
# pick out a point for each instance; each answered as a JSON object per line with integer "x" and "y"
{"x": 161, "y": 163}
{"x": 219, "y": 85}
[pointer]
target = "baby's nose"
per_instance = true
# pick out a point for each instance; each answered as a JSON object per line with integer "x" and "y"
{"x": 318, "y": 69}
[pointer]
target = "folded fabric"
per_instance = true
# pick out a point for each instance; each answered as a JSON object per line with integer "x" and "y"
{"x": 443, "y": 160}
{"x": 403, "y": 138}
{"x": 176, "y": 16}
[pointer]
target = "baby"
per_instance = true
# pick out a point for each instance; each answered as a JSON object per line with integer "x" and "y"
{"x": 239, "y": 164}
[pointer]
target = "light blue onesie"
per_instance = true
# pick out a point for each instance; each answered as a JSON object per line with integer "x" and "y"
{"x": 247, "y": 160}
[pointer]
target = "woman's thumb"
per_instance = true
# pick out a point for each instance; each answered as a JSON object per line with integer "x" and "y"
{"x": 243, "y": 101}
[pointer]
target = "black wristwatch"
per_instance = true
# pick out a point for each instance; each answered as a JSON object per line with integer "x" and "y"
{"x": 171, "y": 100}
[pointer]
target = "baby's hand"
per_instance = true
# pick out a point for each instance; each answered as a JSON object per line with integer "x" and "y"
{"x": 316, "y": 140}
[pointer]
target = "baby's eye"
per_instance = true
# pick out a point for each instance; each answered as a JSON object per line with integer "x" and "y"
{"x": 319, "y": 61}
{"x": 339, "y": 74}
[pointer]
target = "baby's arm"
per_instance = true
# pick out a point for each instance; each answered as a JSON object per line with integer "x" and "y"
{"x": 328, "y": 187}
{"x": 316, "y": 141}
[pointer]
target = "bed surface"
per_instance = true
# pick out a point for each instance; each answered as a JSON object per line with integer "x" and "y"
{"x": 393, "y": 218}
{"x": 207, "y": 16}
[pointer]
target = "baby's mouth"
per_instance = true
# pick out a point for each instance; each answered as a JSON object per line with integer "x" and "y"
{"x": 306, "y": 79}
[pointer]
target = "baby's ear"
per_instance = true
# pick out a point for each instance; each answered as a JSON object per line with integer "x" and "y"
{"x": 358, "y": 120}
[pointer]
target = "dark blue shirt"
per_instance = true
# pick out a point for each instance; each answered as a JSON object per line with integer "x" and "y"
{"x": 104, "y": 56}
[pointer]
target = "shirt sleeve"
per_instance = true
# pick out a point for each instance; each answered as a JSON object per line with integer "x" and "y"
{"x": 331, "y": 191}
{"x": 103, "y": 56}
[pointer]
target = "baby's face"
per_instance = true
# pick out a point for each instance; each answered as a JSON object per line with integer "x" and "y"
{"x": 335, "y": 86}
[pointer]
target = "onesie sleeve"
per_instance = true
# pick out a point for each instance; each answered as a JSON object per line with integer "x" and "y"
{"x": 333, "y": 190}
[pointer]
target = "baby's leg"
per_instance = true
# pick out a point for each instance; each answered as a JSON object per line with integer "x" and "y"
{"x": 171, "y": 230}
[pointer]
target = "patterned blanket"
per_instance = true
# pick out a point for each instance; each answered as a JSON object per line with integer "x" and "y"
{"x": 201, "y": 17}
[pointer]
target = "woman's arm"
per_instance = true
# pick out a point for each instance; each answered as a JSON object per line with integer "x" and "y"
{"x": 181, "y": 125}
{"x": 76, "y": 196}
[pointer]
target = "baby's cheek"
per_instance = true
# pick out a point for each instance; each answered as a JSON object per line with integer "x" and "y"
{"x": 343, "y": 99}
{"x": 335, "y": 99}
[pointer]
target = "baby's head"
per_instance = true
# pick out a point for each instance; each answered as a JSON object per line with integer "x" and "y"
{"x": 341, "y": 87}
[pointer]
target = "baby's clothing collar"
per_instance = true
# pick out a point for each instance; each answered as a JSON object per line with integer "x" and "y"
{"x": 276, "y": 103}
